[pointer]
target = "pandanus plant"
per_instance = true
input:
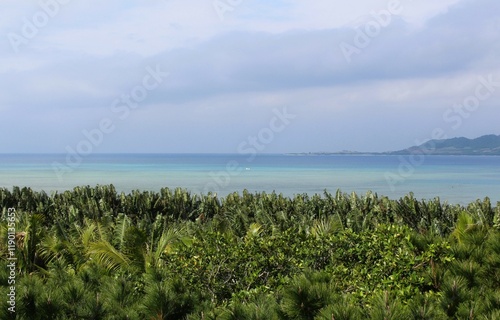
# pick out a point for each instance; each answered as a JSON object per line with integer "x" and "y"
{"x": 101, "y": 254}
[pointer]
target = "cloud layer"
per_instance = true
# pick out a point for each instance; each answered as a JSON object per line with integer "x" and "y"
{"x": 355, "y": 76}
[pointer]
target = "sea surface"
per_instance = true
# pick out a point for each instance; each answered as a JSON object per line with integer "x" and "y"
{"x": 455, "y": 179}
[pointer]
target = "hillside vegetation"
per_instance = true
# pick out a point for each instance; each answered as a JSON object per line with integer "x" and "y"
{"x": 484, "y": 145}
{"x": 93, "y": 253}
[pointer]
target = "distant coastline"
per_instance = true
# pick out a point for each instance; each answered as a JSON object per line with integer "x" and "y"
{"x": 488, "y": 145}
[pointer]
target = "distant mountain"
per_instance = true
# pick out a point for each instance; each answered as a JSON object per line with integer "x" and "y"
{"x": 485, "y": 145}
{"x": 482, "y": 146}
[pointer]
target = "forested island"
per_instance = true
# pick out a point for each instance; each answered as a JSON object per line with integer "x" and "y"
{"x": 483, "y": 146}
{"x": 94, "y": 253}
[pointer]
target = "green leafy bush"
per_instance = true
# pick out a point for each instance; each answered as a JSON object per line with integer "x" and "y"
{"x": 93, "y": 253}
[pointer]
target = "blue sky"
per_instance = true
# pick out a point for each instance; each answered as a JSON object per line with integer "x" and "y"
{"x": 208, "y": 76}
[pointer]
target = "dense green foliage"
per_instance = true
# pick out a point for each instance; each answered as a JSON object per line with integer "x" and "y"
{"x": 93, "y": 253}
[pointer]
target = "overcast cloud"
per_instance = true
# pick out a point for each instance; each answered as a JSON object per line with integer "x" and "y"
{"x": 354, "y": 80}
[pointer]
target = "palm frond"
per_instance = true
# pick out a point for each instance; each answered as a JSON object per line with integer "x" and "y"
{"x": 107, "y": 255}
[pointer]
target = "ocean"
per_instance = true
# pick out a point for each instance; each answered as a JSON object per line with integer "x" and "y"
{"x": 455, "y": 179}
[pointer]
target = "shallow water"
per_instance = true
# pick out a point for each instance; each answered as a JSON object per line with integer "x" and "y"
{"x": 456, "y": 179}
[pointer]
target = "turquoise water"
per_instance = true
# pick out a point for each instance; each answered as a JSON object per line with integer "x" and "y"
{"x": 456, "y": 179}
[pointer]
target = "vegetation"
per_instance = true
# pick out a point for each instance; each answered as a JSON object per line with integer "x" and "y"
{"x": 93, "y": 253}
{"x": 484, "y": 145}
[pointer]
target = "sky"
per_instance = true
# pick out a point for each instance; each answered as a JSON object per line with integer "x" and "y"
{"x": 222, "y": 76}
